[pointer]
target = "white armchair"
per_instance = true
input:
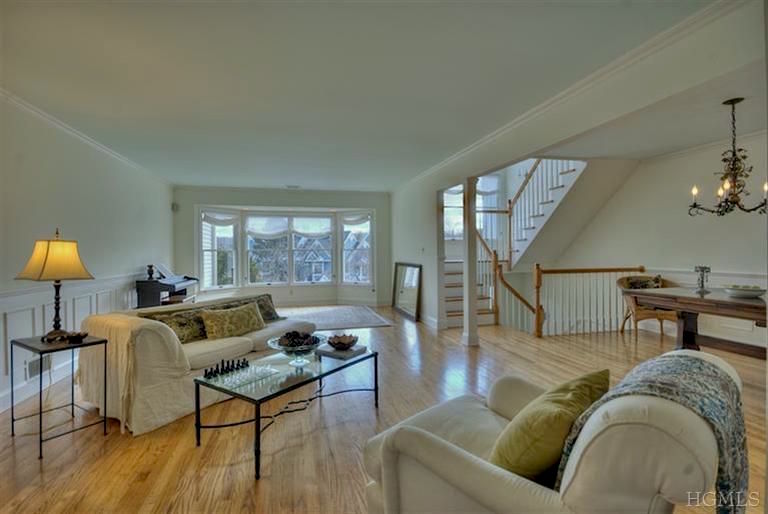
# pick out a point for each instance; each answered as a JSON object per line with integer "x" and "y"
{"x": 636, "y": 454}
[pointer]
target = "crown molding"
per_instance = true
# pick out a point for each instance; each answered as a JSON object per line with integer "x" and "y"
{"x": 53, "y": 121}
{"x": 691, "y": 24}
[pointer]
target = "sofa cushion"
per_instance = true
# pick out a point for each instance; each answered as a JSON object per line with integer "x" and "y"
{"x": 533, "y": 441}
{"x": 204, "y": 354}
{"x": 276, "y": 329}
{"x": 232, "y": 322}
{"x": 465, "y": 421}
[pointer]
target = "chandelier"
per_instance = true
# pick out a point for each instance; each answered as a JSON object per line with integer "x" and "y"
{"x": 733, "y": 179}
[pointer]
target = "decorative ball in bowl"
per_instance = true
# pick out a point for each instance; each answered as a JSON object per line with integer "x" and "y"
{"x": 296, "y": 345}
{"x": 342, "y": 342}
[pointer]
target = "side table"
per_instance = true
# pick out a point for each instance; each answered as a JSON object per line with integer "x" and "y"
{"x": 41, "y": 348}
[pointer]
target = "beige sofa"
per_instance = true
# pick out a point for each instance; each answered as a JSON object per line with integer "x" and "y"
{"x": 150, "y": 373}
{"x": 636, "y": 454}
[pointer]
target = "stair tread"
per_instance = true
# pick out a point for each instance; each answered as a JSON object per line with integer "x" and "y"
{"x": 545, "y": 202}
{"x": 460, "y": 285}
{"x": 566, "y": 172}
{"x": 539, "y": 215}
{"x": 453, "y": 273}
{"x": 552, "y": 188}
{"x": 453, "y": 314}
{"x": 461, "y": 298}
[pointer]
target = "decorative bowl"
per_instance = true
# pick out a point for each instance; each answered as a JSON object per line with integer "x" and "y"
{"x": 296, "y": 345}
{"x": 342, "y": 342}
{"x": 739, "y": 291}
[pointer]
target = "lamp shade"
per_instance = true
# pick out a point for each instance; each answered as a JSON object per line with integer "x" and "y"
{"x": 54, "y": 259}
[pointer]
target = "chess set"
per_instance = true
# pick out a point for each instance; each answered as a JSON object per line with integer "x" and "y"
{"x": 226, "y": 367}
{"x": 236, "y": 373}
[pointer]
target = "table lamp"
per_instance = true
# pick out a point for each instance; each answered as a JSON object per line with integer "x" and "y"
{"x": 55, "y": 259}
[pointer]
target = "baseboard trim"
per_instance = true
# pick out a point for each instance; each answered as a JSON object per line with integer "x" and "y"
{"x": 748, "y": 350}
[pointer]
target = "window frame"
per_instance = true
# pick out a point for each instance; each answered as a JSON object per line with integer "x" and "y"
{"x": 241, "y": 250}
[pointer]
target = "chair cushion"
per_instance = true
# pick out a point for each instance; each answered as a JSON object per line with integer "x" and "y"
{"x": 207, "y": 353}
{"x": 533, "y": 441}
{"x": 276, "y": 329}
{"x": 232, "y": 322}
{"x": 465, "y": 421}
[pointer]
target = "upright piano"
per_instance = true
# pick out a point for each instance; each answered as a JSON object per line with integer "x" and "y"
{"x": 166, "y": 289}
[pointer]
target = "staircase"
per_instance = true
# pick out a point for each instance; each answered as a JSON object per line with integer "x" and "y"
{"x": 453, "y": 296}
{"x": 513, "y": 204}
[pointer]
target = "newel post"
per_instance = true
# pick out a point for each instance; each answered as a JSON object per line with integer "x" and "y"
{"x": 539, "y": 314}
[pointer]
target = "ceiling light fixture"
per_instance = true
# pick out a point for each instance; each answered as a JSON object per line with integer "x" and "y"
{"x": 733, "y": 179}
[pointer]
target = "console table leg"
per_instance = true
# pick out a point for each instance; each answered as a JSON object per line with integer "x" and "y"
{"x": 72, "y": 382}
{"x": 687, "y": 328}
{"x": 197, "y": 414}
{"x": 105, "y": 389}
{"x": 376, "y": 380}
{"x": 257, "y": 440}
{"x": 40, "y": 413}
{"x": 13, "y": 420}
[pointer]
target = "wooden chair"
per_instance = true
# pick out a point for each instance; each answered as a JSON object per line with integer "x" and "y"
{"x": 638, "y": 313}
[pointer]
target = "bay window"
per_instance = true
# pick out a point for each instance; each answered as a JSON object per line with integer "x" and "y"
{"x": 250, "y": 247}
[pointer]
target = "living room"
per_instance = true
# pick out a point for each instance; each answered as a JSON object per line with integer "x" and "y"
{"x": 491, "y": 202}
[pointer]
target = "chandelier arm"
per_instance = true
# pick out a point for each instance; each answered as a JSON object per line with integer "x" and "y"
{"x": 761, "y": 207}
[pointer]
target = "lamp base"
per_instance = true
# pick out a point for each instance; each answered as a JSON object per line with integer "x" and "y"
{"x": 55, "y": 335}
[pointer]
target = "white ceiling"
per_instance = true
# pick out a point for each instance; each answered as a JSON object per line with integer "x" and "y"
{"x": 681, "y": 121}
{"x": 357, "y": 96}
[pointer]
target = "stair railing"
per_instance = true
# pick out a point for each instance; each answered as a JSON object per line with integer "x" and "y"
{"x": 487, "y": 262}
{"x": 539, "y": 185}
{"x": 578, "y": 300}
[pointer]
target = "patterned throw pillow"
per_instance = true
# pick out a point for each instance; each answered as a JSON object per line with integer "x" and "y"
{"x": 187, "y": 325}
{"x": 232, "y": 322}
{"x": 267, "y": 308}
{"x": 264, "y": 302}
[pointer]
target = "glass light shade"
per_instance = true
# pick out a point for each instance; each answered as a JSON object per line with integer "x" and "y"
{"x": 727, "y": 185}
{"x": 54, "y": 259}
{"x": 695, "y": 191}
{"x": 720, "y": 192}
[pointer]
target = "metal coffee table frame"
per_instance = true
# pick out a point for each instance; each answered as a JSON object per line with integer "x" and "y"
{"x": 289, "y": 407}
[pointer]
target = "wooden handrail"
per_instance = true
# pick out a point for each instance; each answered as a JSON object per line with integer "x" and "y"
{"x": 528, "y": 177}
{"x": 514, "y": 291}
{"x": 562, "y": 271}
{"x": 485, "y": 245}
{"x": 538, "y": 275}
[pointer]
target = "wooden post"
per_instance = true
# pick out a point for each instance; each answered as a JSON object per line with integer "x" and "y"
{"x": 496, "y": 269}
{"x": 539, "y": 314}
{"x": 510, "y": 235}
{"x": 469, "y": 336}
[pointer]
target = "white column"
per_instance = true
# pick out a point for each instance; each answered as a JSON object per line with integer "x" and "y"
{"x": 469, "y": 336}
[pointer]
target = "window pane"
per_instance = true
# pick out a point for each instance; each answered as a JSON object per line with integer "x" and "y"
{"x": 266, "y": 225}
{"x": 312, "y": 266}
{"x": 312, "y": 226}
{"x": 453, "y": 222}
{"x": 268, "y": 266}
{"x": 357, "y": 266}
{"x": 357, "y": 236}
{"x": 267, "y": 259}
{"x": 218, "y": 268}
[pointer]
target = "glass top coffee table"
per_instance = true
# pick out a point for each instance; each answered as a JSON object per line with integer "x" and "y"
{"x": 270, "y": 377}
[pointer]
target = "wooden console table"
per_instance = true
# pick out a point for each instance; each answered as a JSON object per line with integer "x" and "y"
{"x": 689, "y": 304}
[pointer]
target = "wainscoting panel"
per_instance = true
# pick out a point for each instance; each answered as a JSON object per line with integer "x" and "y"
{"x": 29, "y": 312}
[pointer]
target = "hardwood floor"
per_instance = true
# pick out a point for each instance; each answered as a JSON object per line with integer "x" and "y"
{"x": 311, "y": 461}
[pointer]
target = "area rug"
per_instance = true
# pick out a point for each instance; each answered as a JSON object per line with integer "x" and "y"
{"x": 337, "y": 317}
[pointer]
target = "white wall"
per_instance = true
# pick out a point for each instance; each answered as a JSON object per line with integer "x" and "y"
{"x": 646, "y": 222}
{"x": 677, "y": 60}
{"x": 50, "y": 177}
{"x": 381, "y": 294}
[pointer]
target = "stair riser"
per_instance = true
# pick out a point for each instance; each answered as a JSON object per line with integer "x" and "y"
{"x": 483, "y": 320}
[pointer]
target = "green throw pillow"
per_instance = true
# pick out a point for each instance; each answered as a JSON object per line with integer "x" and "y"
{"x": 232, "y": 322}
{"x": 188, "y": 325}
{"x": 533, "y": 441}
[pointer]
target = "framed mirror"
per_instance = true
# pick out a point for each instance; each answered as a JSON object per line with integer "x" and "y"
{"x": 406, "y": 292}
